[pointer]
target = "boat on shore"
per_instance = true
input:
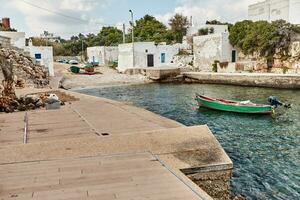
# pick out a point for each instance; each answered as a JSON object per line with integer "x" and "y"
{"x": 233, "y": 106}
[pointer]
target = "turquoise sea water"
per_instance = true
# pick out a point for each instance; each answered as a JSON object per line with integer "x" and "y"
{"x": 265, "y": 150}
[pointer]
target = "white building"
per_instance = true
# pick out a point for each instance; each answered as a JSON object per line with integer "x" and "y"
{"x": 272, "y": 10}
{"x": 102, "y": 55}
{"x": 146, "y": 54}
{"x": 4, "y": 42}
{"x": 42, "y": 54}
{"x": 211, "y": 48}
{"x": 17, "y": 39}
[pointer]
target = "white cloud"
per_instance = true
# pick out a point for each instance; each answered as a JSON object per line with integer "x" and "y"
{"x": 203, "y": 10}
{"x": 76, "y": 17}
{"x": 78, "y": 5}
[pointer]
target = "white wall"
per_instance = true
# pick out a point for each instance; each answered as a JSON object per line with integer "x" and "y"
{"x": 294, "y": 16}
{"x": 4, "y": 42}
{"x": 95, "y": 53}
{"x": 17, "y": 39}
{"x": 272, "y": 10}
{"x": 141, "y": 50}
{"x": 103, "y": 55}
{"x": 209, "y": 48}
{"x": 259, "y": 11}
{"x": 46, "y": 56}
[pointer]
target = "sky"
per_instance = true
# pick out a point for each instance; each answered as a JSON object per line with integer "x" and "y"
{"x": 69, "y": 17}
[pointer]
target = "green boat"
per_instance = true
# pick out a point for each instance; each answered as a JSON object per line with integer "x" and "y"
{"x": 233, "y": 106}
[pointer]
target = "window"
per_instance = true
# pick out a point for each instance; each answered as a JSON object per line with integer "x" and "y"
{"x": 38, "y": 56}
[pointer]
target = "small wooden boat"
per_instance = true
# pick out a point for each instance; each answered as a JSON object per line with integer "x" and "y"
{"x": 233, "y": 106}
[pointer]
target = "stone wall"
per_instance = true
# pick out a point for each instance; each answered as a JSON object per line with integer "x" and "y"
{"x": 288, "y": 81}
{"x": 183, "y": 61}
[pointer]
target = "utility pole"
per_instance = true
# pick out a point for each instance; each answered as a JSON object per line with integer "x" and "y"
{"x": 81, "y": 49}
{"x": 132, "y": 32}
{"x": 124, "y": 41}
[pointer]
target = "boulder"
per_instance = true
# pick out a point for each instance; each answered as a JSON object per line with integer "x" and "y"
{"x": 31, "y": 99}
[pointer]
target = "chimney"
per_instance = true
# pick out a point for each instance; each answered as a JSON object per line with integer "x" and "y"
{"x": 6, "y": 22}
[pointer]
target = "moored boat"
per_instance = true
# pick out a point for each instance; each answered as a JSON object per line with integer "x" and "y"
{"x": 233, "y": 106}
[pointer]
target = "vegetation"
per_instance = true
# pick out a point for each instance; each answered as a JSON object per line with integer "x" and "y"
{"x": 149, "y": 28}
{"x": 7, "y": 29}
{"x": 264, "y": 38}
{"x": 179, "y": 25}
{"x": 216, "y": 22}
{"x": 206, "y": 31}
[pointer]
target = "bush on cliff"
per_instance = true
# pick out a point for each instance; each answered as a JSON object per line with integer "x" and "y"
{"x": 264, "y": 38}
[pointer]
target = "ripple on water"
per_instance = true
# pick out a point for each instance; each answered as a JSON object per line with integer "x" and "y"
{"x": 265, "y": 151}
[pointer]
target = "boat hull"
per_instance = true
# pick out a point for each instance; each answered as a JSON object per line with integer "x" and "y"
{"x": 216, "y": 105}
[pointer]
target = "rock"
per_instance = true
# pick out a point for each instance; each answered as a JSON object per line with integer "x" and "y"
{"x": 39, "y": 104}
{"x": 31, "y": 99}
{"x": 21, "y": 107}
{"x": 30, "y": 106}
{"x": 15, "y": 104}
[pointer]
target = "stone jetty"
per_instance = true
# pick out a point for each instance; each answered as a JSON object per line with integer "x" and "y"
{"x": 95, "y": 148}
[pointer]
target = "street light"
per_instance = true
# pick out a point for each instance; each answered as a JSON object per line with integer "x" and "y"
{"x": 132, "y": 37}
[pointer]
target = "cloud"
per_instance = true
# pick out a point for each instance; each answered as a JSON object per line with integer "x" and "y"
{"x": 76, "y": 17}
{"x": 203, "y": 10}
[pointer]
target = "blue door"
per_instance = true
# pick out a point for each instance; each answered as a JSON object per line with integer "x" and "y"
{"x": 163, "y": 57}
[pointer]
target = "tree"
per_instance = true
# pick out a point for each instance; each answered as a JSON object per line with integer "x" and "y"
{"x": 206, "y": 31}
{"x": 110, "y": 36}
{"x": 203, "y": 31}
{"x": 179, "y": 25}
{"x": 58, "y": 48}
{"x": 149, "y": 28}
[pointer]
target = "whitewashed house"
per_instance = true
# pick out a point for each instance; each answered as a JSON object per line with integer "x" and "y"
{"x": 42, "y": 54}
{"x": 17, "y": 39}
{"x": 271, "y": 10}
{"x": 145, "y": 54}
{"x": 211, "y": 48}
{"x": 102, "y": 55}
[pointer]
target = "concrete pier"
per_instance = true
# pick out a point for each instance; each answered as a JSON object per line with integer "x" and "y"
{"x": 284, "y": 81}
{"x": 156, "y": 73}
{"x": 96, "y": 147}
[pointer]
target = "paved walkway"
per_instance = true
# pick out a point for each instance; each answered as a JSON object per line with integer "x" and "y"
{"x": 89, "y": 130}
{"x": 135, "y": 176}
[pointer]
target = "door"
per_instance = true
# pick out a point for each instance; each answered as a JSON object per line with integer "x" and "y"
{"x": 163, "y": 58}
{"x": 233, "y": 56}
{"x": 150, "y": 60}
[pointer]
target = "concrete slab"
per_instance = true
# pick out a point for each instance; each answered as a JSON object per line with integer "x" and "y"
{"x": 95, "y": 126}
{"x": 136, "y": 176}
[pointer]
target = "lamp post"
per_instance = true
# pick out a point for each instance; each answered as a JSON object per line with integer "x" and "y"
{"x": 132, "y": 38}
